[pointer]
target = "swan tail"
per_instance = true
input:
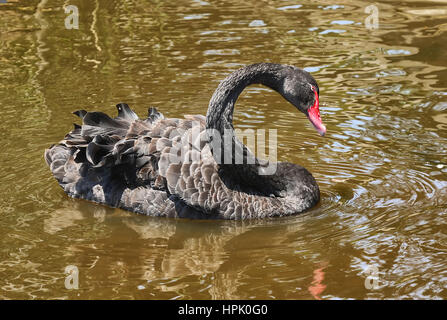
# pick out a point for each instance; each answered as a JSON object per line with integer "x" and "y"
{"x": 154, "y": 114}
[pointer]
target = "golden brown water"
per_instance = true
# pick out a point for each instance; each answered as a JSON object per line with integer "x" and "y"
{"x": 382, "y": 167}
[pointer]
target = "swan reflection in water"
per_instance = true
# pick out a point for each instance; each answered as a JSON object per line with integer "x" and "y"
{"x": 170, "y": 256}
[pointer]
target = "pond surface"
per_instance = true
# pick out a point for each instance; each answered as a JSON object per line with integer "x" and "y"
{"x": 380, "y": 229}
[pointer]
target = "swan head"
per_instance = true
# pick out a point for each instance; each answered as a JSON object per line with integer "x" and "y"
{"x": 301, "y": 90}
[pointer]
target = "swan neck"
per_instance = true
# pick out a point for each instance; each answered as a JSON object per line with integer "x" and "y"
{"x": 234, "y": 158}
{"x": 221, "y": 106}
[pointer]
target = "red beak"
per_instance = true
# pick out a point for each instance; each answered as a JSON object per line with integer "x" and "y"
{"x": 314, "y": 115}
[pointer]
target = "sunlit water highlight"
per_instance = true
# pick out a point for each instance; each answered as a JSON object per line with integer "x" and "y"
{"x": 382, "y": 166}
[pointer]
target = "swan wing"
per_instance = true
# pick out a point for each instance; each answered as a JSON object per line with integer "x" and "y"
{"x": 151, "y": 166}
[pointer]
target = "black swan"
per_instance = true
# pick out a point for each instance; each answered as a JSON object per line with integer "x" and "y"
{"x": 154, "y": 167}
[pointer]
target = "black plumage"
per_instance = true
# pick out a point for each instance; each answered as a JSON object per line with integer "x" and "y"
{"x": 171, "y": 167}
